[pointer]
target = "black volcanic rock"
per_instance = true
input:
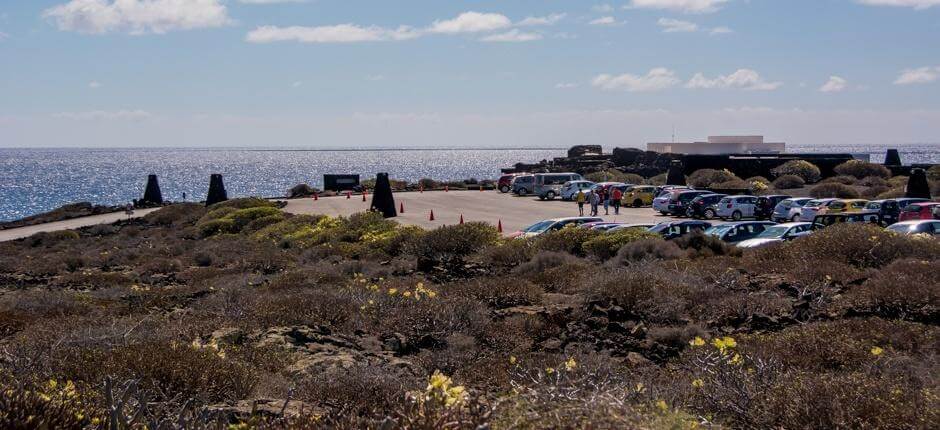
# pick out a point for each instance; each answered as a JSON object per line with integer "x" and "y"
{"x": 217, "y": 192}
{"x": 583, "y": 150}
{"x": 382, "y": 199}
{"x": 892, "y": 158}
{"x": 917, "y": 185}
{"x": 152, "y": 194}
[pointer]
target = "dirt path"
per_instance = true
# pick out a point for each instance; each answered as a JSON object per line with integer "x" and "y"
{"x": 71, "y": 224}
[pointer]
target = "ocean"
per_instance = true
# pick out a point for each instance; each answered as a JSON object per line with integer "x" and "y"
{"x": 37, "y": 180}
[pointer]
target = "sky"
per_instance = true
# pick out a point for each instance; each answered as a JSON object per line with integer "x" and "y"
{"x": 453, "y": 73}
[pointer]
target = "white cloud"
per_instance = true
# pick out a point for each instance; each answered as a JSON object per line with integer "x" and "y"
{"x": 270, "y": 1}
{"x": 676, "y": 26}
{"x": 604, "y": 20}
{"x": 99, "y": 115}
{"x": 720, "y": 30}
{"x": 94, "y": 85}
{"x": 657, "y": 79}
{"x": 542, "y": 20}
{"x": 921, "y": 75}
{"x": 513, "y": 35}
{"x": 471, "y": 22}
{"x": 602, "y": 8}
{"x": 835, "y": 84}
{"x": 744, "y": 79}
{"x": 684, "y": 6}
{"x": 916, "y": 4}
{"x": 566, "y": 85}
{"x": 137, "y": 16}
{"x": 342, "y": 33}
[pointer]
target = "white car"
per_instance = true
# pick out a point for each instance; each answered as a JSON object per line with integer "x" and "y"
{"x": 736, "y": 207}
{"x": 812, "y": 208}
{"x": 789, "y": 209}
{"x": 776, "y": 234}
{"x": 921, "y": 226}
{"x": 571, "y": 188}
{"x": 553, "y": 225}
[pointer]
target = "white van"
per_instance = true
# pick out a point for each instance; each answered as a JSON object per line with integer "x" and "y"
{"x": 548, "y": 185}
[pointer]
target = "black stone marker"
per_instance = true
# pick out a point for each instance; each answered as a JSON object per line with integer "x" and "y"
{"x": 217, "y": 192}
{"x": 382, "y": 199}
{"x": 152, "y": 194}
{"x": 892, "y": 158}
{"x": 917, "y": 185}
{"x": 675, "y": 176}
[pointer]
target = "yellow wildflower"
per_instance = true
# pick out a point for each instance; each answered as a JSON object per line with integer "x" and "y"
{"x": 407, "y": 294}
{"x": 512, "y": 359}
{"x": 698, "y": 341}
{"x": 392, "y": 291}
{"x": 439, "y": 381}
{"x": 698, "y": 383}
{"x": 724, "y": 343}
{"x": 571, "y": 364}
{"x": 640, "y": 387}
{"x": 662, "y": 405}
{"x": 549, "y": 370}
{"x": 876, "y": 351}
{"x": 736, "y": 359}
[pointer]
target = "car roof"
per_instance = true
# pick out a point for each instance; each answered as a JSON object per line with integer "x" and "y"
{"x": 736, "y": 223}
{"x": 855, "y": 200}
{"x": 794, "y": 224}
{"x": 915, "y": 222}
{"x": 924, "y": 204}
{"x": 593, "y": 219}
{"x": 740, "y": 196}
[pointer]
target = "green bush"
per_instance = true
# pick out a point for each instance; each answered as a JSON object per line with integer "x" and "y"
{"x": 833, "y": 190}
{"x": 52, "y": 237}
{"x": 606, "y": 246}
{"x": 707, "y": 178}
{"x": 217, "y": 226}
{"x": 789, "y": 182}
{"x": 243, "y": 217}
{"x": 455, "y": 242}
{"x": 614, "y": 175}
{"x": 933, "y": 173}
{"x": 862, "y": 169}
{"x": 177, "y": 214}
{"x": 802, "y": 168}
{"x": 570, "y": 239}
{"x": 244, "y": 203}
{"x": 659, "y": 179}
{"x": 841, "y": 179}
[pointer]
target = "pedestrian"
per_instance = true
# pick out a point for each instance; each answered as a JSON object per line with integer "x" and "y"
{"x": 605, "y": 196}
{"x": 595, "y": 200}
{"x": 580, "y": 198}
{"x": 615, "y": 197}
{"x": 184, "y": 196}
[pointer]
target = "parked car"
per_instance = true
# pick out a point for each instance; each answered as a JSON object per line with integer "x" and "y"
{"x": 523, "y": 184}
{"x": 812, "y": 208}
{"x": 703, "y": 206}
{"x": 822, "y": 221}
{"x": 789, "y": 209}
{"x": 553, "y": 225}
{"x": 776, "y": 234}
{"x": 921, "y": 226}
{"x": 890, "y": 209}
{"x": 504, "y": 184}
{"x": 736, "y": 207}
{"x": 601, "y": 226}
{"x": 921, "y": 210}
{"x": 548, "y": 185}
{"x": 680, "y": 201}
{"x": 739, "y": 231}
{"x": 571, "y": 188}
{"x": 673, "y": 229}
{"x": 766, "y": 205}
{"x": 663, "y": 196}
{"x": 639, "y": 195}
{"x": 627, "y": 226}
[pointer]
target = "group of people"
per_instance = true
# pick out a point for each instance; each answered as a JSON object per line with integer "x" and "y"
{"x": 600, "y": 196}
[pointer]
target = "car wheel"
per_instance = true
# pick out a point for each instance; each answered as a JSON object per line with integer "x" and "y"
{"x": 504, "y": 189}
{"x": 709, "y": 214}
{"x": 664, "y": 213}
{"x": 523, "y": 191}
{"x": 550, "y": 195}
{"x": 690, "y": 213}
{"x": 638, "y": 203}
{"x": 736, "y": 216}
{"x": 794, "y": 218}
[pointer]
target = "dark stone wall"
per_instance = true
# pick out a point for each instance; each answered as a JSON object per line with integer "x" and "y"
{"x": 746, "y": 166}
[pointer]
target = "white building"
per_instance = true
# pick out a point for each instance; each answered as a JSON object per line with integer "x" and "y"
{"x": 720, "y": 145}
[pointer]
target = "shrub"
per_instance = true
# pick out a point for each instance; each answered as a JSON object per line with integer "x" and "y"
{"x": 176, "y": 215}
{"x": 243, "y": 217}
{"x": 788, "y": 182}
{"x": 904, "y": 289}
{"x": 706, "y": 178}
{"x": 614, "y": 175}
{"x": 834, "y": 190}
{"x": 301, "y": 190}
{"x": 217, "y": 226}
{"x": 802, "y": 168}
{"x": 244, "y": 203}
{"x": 873, "y": 181}
{"x": 699, "y": 244}
{"x": 760, "y": 179}
{"x": 51, "y": 238}
{"x": 570, "y": 239}
{"x": 648, "y": 249}
{"x": 36, "y": 408}
{"x": 509, "y": 253}
{"x": 843, "y": 179}
{"x": 455, "y": 242}
{"x": 605, "y": 246}
{"x": 898, "y": 181}
{"x": 659, "y": 179}
{"x": 862, "y": 169}
{"x": 893, "y": 193}
{"x": 860, "y": 245}
{"x": 933, "y": 173}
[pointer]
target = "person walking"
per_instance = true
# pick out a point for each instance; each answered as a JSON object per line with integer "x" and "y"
{"x": 595, "y": 201}
{"x": 605, "y": 196}
{"x": 615, "y": 197}
{"x": 580, "y": 198}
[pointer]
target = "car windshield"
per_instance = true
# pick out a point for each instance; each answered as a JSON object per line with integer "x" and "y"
{"x": 659, "y": 228}
{"x": 719, "y": 230}
{"x": 773, "y": 232}
{"x": 912, "y": 208}
{"x": 813, "y": 204}
{"x": 901, "y": 228}
{"x": 539, "y": 227}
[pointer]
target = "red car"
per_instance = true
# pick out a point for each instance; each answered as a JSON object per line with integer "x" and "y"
{"x": 505, "y": 182}
{"x": 922, "y": 210}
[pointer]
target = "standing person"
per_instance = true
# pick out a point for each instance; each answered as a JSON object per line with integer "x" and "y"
{"x": 580, "y": 198}
{"x": 615, "y": 197}
{"x": 606, "y": 197}
{"x": 595, "y": 200}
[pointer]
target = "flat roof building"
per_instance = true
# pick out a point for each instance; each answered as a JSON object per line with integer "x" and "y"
{"x": 719, "y": 145}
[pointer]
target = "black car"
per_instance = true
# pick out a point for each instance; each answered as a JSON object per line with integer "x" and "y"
{"x": 673, "y": 229}
{"x": 703, "y": 206}
{"x": 890, "y": 209}
{"x": 681, "y": 200}
{"x": 766, "y": 204}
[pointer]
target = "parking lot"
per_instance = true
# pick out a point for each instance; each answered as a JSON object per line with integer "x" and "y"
{"x": 488, "y": 206}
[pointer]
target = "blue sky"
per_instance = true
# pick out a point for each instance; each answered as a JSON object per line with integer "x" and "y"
{"x": 331, "y": 73}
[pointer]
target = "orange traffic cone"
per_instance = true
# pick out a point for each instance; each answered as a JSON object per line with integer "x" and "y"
{"x": 461, "y": 219}
{"x": 421, "y": 189}
{"x": 363, "y": 196}
{"x": 431, "y": 218}
{"x": 401, "y": 207}
{"x": 499, "y": 226}
{"x": 446, "y": 188}
{"x": 316, "y": 196}
{"x": 481, "y": 188}
{"x": 348, "y": 195}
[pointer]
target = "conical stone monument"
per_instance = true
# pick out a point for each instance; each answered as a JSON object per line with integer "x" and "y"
{"x": 917, "y": 185}
{"x": 217, "y": 192}
{"x": 382, "y": 199}
{"x": 892, "y": 158}
{"x": 675, "y": 176}
{"x": 152, "y": 194}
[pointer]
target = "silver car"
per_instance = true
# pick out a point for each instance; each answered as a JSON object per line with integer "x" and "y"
{"x": 523, "y": 184}
{"x": 776, "y": 234}
{"x": 548, "y": 185}
{"x": 788, "y": 210}
{"x": 921, "y": 226}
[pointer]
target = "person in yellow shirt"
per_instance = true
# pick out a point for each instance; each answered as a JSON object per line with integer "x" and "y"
{"x": 581, "y": 198}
